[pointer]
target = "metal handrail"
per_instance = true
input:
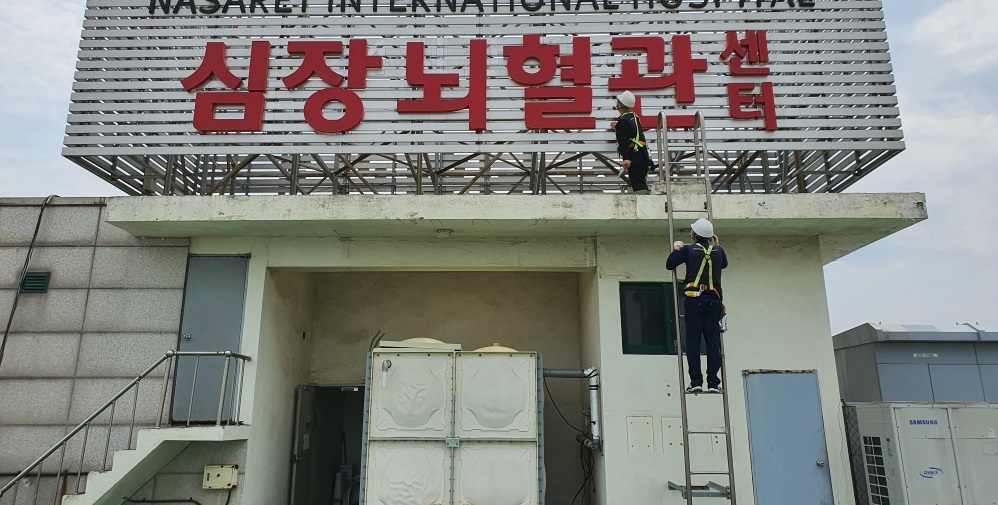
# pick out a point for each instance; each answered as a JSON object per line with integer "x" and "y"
{"x": 170, "y": 358}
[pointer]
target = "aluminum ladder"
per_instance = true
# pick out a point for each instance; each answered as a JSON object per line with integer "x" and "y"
{"x": 674, "y": 167}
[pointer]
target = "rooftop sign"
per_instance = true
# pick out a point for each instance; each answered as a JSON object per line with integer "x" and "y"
{"x": 231, "y": 7}
{"x": 333, "y": 80}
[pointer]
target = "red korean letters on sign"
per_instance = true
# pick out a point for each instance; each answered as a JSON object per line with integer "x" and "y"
{"x": 558, "y": 91}
{"x": 684, "y": 66}
{"x": 252, "y": 100}
{"x": 540, "y": 110}
{"x": 433, "y": 84}
{"x": 314, "y": 54}
{"x": 748, "y": 57}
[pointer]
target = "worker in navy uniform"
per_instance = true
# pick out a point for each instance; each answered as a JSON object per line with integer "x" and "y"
{"x": 631, "y": 144}
{"x": 704, "y": 260}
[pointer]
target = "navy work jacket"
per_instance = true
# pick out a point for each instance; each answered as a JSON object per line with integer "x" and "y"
{"x": 691, "y": 255}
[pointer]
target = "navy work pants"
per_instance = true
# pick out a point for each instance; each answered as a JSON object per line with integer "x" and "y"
{"x": 703, "y": 318}
{"x": 638, "y": 174}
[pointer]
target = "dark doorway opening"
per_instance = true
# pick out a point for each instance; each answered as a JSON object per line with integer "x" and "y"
{"x": 327, "y": 447}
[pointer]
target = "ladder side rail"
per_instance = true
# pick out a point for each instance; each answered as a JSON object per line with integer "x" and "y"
{"x": 662, "y": 146}
{"x": 727, "y": 425}
{"x": 702, "y": 160}
{"x": 663, "y": 122}
{"x": 701, "y": 171}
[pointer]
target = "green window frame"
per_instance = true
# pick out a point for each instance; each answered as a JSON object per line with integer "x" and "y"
{"x": 647, "y": 318}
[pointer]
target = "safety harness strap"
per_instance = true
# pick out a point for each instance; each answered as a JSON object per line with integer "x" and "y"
{"x": 707, "y": 263}
{"x": 636, "y": 142}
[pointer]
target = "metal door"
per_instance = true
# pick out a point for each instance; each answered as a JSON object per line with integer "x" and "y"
{"x": 787, "y": 439}
{"x": 212, "y": 320}
{"x": 301, "y": 457}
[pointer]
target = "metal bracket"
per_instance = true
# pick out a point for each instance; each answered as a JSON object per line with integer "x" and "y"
{"x": 709, "y": 490}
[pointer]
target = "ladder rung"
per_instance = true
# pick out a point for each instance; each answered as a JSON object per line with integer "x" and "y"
{"x": 701, "y": 472}
{"x": 719, "y": 431}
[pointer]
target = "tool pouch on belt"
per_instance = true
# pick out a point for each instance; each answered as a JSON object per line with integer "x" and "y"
{"x": 693, "y": 291}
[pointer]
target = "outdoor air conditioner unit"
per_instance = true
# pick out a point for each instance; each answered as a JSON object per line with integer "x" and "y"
{"x": 923, "y": 454}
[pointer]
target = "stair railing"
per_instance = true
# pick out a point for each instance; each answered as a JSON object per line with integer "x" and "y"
{"x": 171, "y": 360}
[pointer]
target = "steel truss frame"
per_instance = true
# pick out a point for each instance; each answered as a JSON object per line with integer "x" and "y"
{"x": 787, "y": 171}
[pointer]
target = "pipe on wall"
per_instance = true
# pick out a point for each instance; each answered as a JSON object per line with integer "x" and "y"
{"x": 592, "y": 375}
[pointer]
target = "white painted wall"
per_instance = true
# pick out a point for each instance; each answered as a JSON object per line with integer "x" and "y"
{"x": 775, "y": 294}
{"x": 589, "y": 330}
{"x": 281, "y": 365}
{"x": 774, "y": 289}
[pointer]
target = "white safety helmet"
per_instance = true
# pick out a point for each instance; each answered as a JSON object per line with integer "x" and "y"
{"x": 626, "y": 99}
{"x": 703, "y": 228}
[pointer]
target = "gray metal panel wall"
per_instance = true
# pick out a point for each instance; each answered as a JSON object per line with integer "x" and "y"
{"x": 989, "y": 378}
{"x": 946, "y": 353}
{"x": 857, "y": 368}
{"x": 987, "y": 353}
{"x": 906, "y": 382}
{"x": 956, "y": 383}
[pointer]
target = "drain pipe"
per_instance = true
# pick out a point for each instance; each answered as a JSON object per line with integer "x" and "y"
{"x": 595, "y": 442}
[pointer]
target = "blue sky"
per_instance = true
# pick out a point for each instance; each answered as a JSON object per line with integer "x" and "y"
{"x": 945, "y": 57}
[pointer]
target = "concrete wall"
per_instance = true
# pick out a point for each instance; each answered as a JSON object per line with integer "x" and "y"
{"x": 181, "y": 478}
{"x": 113, "y": 307}
{"x": 281, "y": 364}
{"x": 529, "y": 311}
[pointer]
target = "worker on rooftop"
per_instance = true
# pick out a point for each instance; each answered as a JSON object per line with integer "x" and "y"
{"x": 631, "y": 144}
{"x": 704, "y": 260}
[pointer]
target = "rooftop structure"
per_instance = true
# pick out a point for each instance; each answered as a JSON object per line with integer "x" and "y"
{"x": 476, "y": 98}
{"x": 917, "y": 363}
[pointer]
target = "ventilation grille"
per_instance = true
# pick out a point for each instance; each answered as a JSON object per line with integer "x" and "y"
{"x": 876, "y": 474}
{"x": 857, "y": 460}
{"x": 36, "y": 282}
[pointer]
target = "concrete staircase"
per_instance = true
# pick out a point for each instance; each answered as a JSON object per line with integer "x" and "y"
{"x": 154, "y": 448}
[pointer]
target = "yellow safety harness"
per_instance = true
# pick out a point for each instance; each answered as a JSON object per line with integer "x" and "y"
{"x": 636, "y": 142}
{"x": 694, "y": 290}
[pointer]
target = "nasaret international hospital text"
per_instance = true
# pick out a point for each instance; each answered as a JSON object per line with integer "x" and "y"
{"x": 232, "y": 7}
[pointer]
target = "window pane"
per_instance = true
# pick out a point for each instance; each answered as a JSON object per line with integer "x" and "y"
{"x": 646, "y": 318}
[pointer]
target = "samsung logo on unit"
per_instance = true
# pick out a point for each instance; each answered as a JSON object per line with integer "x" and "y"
{"x": 931, "y": 473}
{"x": 923, "y": 422}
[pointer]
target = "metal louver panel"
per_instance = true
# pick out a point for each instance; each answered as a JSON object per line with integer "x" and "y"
{"x": 36, "y": 282}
